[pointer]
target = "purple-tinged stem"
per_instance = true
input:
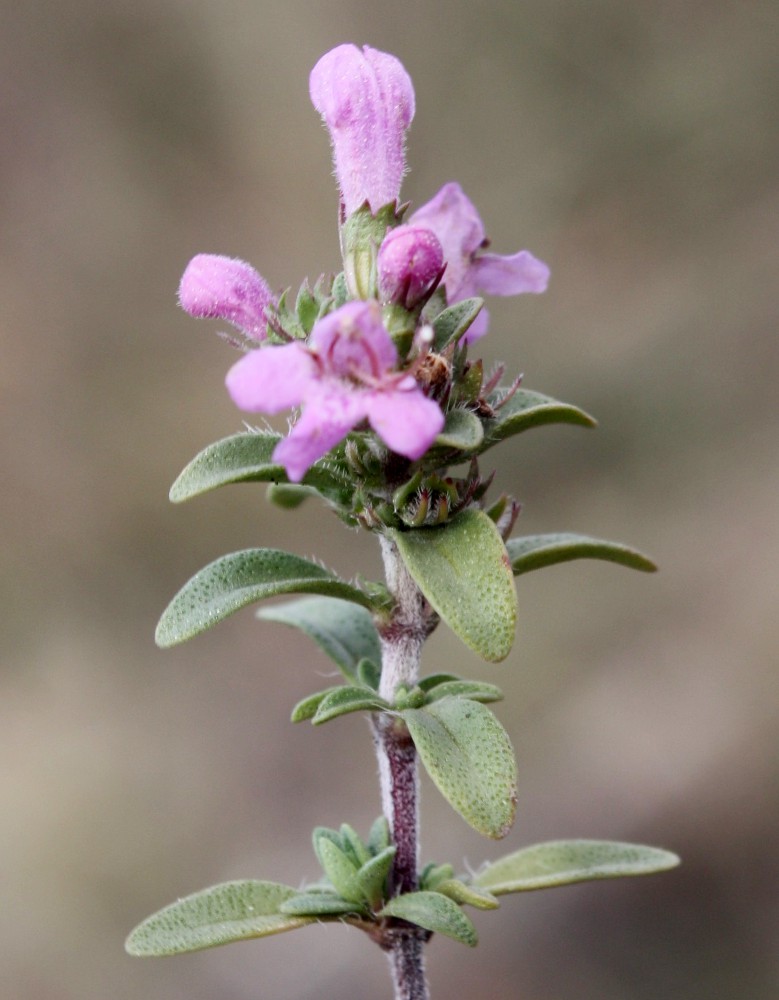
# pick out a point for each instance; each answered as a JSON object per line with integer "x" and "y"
{"x": 401, "y": 648}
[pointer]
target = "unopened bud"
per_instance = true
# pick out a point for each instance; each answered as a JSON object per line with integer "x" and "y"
{"x": 410, "y": 264}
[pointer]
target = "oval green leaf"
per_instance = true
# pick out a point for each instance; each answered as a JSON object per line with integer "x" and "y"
{"x": 562, "y": 862}
{"x": 536, "y": 551}
{"x": 451, "y": 323}
{"x": 372, "y": 876}
{"x": 469, "y": 756}
{"x": 241, "y": 458}
{"x": 339, "y": 869}
{"x": 526, "y": 409}
{"x": 232, "y": 582}
{"x": 463, "y": 570}
{"x": 435, "y": 912}
{"x": 475, "y": 690}
{"x": 342, "y": 700}
{"x": 344, "y": 631}
{"x": 462, "y": 431}
{"x": 233, "y": 911}
{"x": 464, "y": 894}
{"x": 318, "y": 904}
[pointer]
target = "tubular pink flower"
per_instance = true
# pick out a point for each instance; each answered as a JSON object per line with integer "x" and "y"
{"x": 410, "y": 262}
{"x": 453, "y": 218}
{"x": 346, "y": 374}
{"x": 366, "y": 99}
{"x": 214, "y": 287}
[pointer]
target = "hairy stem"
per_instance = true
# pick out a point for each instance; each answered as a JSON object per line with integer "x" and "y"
{"x": 401, "y": 648}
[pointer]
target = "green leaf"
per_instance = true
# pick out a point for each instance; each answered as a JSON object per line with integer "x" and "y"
{"x": 526, "y": 409}
{"x": 468, "y": 755}
{"x": 536, "y": 551}
{"x": 340, "y": 869}
{"x": 306, "y": 707}
{"x": 368, "y": 674}
{"x": 318, "y": 904}
{"x": 433, "y": 680}
{"x": 342, "y": 700}
{"x": 229, "y": 912}
{"x": 462, "y": 431}
{"x": 450, "y": 324}
{"x": 463, "y": 570}
{"x": 373, "y": 875}
{"x": 239, "y": 458}
{"x": 345, "y": 631}
{"x": 467, "y": 894}
{"x": 433, "y": 875}
{"x": 434, "y": 912}
{"x": 354, "y": 845}
{"x": 244, "y": 458}
{"x": 379, "y": 835}
{"x": 289, "y": 496}
{"x": 235, "y": 580}
{"x": 562, "y": 862}
{"x": 475, "y": 690}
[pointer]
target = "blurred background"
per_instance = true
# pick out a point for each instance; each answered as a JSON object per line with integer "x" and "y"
{"x": 633, "y": 146}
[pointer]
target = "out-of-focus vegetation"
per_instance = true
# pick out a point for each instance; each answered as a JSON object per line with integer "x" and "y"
{"x": 632, "y": 146}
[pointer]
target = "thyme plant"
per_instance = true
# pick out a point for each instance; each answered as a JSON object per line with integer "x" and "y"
{"x": 394, "y": 413}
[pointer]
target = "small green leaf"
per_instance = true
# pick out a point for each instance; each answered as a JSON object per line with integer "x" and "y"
{"x": 379, "y": 836}
{"x": 354, "y": 845}
{"x": 462, "y": 431}
{"x": 318, "y": 904}
{"x": 433, "y": 680}
{"x": 306, "y": 707}
{"x": 373, "y": 875}
{"x": 345, "y": 631}
{"x": 526, "y": 409}
{"x": 463, "y": 570}
{"x": 368, "y": 674}
{"x": 433, "y": 874}
{"x": 229, "y": 912}
{"x": 235, "y": 580}
{"x": 342, "y": 700}
{"x": 467, "y": 894}
{"x": 434, "y": 912}
{"x": 243, "y": 458}
{"x": 450, "y": 324}
{"x": 562, "y": 862}
{"x": 536, "y": 551}
{"x": 474, "y": 690}
{"x": 339, "y": 868}
{"x": 468, "y": 755}
{"x": 289, "y": 496}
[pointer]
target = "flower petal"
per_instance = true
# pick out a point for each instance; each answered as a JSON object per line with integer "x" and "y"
{"x": 214, "y": 287}
{"x": 327, "y": 418}
{"x": 405, "y": 419}
{"x": 366, "y": 99}
{"x": 452, "y": 216}
{"x": 352, "y": 340}
{"x": 493, "y": 274}
{"x": 272, "y": 379}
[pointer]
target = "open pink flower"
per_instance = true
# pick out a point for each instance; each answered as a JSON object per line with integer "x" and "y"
{"x": 367, "y": 102}
{"x": 344, "y": 375}
{"x": 214, "y": 287}
{"x": 453, "y": 218}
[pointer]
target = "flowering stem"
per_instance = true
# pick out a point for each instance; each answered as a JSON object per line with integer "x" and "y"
{"x": 402, "y": 638}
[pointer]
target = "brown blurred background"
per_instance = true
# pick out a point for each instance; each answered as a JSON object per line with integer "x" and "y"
{"x": 631, "y": 145}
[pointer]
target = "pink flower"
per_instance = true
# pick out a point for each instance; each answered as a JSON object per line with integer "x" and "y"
{"x": 454, "y": 219}
{"x": 344, "y": 375}
{"x": 367, "y": 102}
{"x": 214, "y": 287}
{"x": 409, "y": 263}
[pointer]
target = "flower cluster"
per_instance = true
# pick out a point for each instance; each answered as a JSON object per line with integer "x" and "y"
{"x": 364, "y": 358}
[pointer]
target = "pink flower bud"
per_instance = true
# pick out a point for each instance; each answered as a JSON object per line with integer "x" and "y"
{"x": 410, "y": 263}
{"x": 214, "y": 287}
{"x": 366, "y": 99}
